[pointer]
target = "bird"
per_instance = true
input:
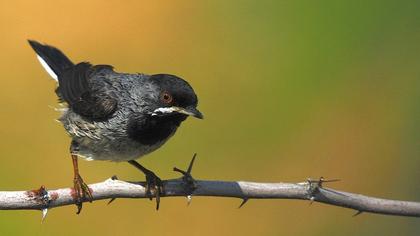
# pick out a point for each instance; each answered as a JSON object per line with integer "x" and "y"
{"x": 114, "y": 116}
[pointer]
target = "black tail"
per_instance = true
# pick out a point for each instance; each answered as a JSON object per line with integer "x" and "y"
{"x": 54, "y": 58}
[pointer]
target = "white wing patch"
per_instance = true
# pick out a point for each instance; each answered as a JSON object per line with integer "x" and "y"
{"x": 47, "y": 68}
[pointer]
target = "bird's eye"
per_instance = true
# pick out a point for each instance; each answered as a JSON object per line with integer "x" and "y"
{"x": 166, "y": 97}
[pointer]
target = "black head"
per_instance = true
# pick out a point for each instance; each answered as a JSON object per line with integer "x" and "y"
{"x": 175, "y": 97}
{"x": 170, "y": 100}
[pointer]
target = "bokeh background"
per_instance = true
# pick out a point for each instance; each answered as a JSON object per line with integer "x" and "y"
{"x": 289, "y": 89}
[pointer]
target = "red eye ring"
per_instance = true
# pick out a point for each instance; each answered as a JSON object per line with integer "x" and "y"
{"x": 166, "y": 97}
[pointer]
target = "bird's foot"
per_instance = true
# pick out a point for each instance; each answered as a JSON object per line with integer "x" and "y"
{"x": 188, "y": 181}
{"x": 154, "y": 187}
{"x": 82, "y": 192}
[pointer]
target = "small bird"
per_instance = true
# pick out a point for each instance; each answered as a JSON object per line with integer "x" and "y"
{"x": 116, "y": 116}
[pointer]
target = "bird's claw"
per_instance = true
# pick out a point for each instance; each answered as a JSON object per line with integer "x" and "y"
{"x": 154, "y": 187}
{"x": 82, "y": 192}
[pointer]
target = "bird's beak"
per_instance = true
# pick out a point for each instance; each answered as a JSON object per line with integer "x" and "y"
{"x": 190, "y": 111}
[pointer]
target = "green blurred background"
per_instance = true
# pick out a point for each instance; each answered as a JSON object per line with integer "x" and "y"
{"x": 289, "y": 89}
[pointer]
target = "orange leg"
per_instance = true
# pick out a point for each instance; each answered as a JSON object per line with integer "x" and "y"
{"x": 81, "y": 189}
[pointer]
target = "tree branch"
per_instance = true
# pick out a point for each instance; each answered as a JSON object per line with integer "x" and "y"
{"x": 310, "y": 190}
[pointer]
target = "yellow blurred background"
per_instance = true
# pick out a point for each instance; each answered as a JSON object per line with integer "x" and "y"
{"x": 289, "y": 90}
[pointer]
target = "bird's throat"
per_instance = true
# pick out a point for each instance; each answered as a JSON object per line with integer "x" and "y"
{"x": 153, "y": 130}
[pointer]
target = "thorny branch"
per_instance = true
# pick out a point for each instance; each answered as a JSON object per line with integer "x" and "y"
{"x": 314, "y": 191}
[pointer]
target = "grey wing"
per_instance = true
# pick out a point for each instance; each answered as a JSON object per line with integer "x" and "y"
{"x": 92, "y": 99}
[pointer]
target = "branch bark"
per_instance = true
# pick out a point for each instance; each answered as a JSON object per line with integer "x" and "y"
{"x": 42, "y": 199}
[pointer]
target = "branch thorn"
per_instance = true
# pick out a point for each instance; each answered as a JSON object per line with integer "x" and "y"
{"x": 111, "y": 200}
{"x": 189, "y": 198}
{"x": 244, "y": 201}
{"x": 188, "y": 180}
{"x": 44, "y": 214}
{"x": 311, "y": 200}
{"x": 358, "y": 213}
{"x": 114, "y": 177}
{"x": 315, "y": 185}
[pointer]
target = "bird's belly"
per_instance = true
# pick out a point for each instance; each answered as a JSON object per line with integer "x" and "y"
{"x": 115, "y": 151}
{"x": 107, "y": 140}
